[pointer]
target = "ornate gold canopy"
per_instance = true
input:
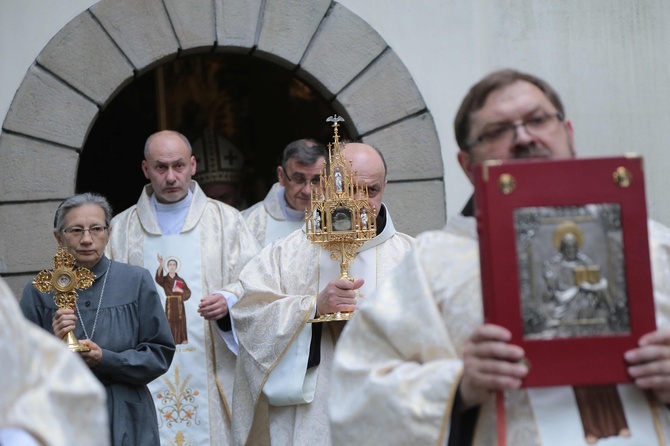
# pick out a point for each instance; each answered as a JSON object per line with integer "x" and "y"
{"x": 65, "y": 279}
{"x": 340, "y": 217}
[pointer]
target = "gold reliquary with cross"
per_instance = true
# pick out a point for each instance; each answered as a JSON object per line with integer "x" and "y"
{"x": 64, "y": 280}
{"x": 340, "y": 217}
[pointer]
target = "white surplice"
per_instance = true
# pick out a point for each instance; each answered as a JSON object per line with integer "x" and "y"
{"x": 281, "y": 285}
{"x": 272, "y": 219}
{"x": 221, "y": 245}
{"x": 398, "y": 364}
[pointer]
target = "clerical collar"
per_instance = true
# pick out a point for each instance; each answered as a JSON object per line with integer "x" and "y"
{"x": 385, "y": 230}
{"x": 469, "y": 209}
{"x": 289, "y": 213}
{"x": 171, "y": 216}
{"x": 381, "y": 220}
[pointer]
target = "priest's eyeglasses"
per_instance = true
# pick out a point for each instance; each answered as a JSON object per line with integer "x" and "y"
{"x": 301, "y": 180}
{"x": 507, "y": 133}
{"x": 95, "y": 231}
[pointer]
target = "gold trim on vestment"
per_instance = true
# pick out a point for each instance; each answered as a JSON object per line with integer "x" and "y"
{"x": 311, "y": 310}
{"x": 219, "y": 387}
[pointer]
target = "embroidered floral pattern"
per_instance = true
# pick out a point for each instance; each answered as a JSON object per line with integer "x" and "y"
{"x": 177, "y": 403}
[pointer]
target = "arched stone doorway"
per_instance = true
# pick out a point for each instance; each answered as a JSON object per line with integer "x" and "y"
{"x": 257, "y": 105}
{"x": 111, "y": 44}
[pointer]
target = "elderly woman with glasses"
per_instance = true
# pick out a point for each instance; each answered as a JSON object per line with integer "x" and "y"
{"x": 119, "y": 318}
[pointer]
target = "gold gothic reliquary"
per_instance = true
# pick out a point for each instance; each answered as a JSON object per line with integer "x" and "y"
{"x": 340, "y": 217}
{"x": 64, "y": 279}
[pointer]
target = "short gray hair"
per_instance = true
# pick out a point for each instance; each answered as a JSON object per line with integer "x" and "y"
{"x": 79, "y": 200}
{"x": 151, "y": 138}
{"x": 305, "y": 151}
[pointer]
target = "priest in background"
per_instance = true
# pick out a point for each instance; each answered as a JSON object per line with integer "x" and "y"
{"x": 283, "y": 209}
{"x": 289, "y": 282}
{"x": 211, "y": 244}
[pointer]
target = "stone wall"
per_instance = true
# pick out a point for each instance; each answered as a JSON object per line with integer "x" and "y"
{"x": 106, "y": 47}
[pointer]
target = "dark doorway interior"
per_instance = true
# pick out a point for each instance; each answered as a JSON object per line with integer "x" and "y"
{"x": 258, "y": 106}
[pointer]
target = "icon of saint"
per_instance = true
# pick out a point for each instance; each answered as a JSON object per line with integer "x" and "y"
{"x": 176, "y": 292}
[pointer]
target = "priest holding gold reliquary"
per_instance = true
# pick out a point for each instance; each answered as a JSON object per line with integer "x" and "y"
{"x": 299, "y": 292}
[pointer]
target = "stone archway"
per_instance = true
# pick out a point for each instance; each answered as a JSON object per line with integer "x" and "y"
{"x": 109, "y": 45}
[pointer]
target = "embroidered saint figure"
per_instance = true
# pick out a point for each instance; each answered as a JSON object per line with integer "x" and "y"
{"x": 176, "y": 292}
